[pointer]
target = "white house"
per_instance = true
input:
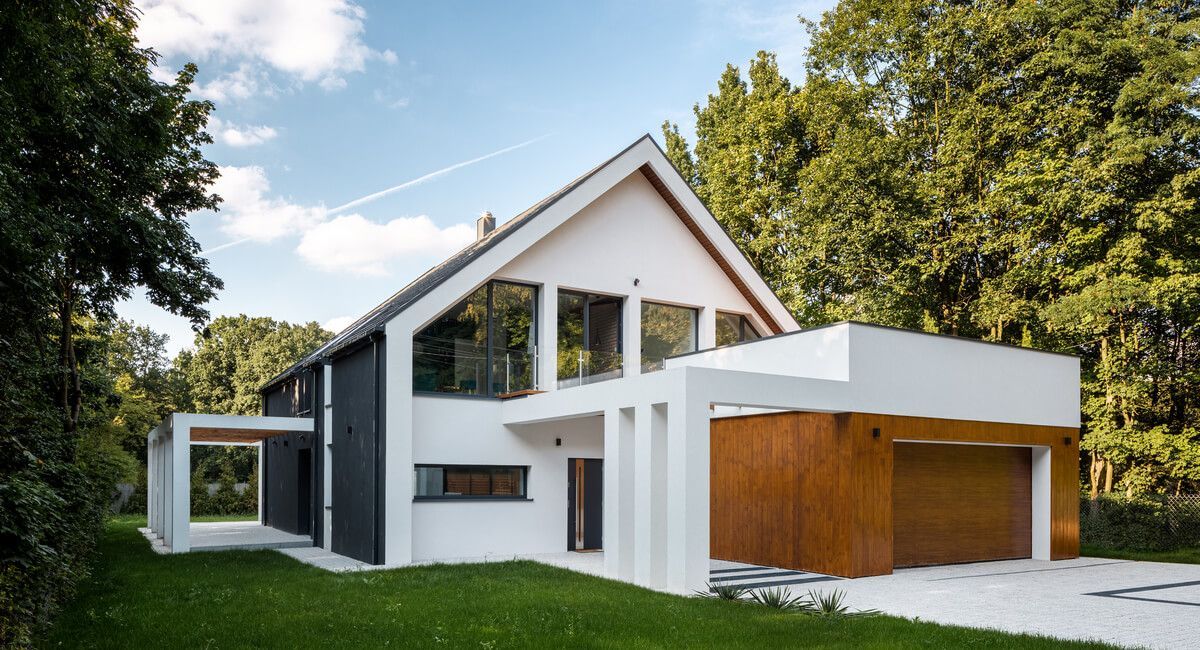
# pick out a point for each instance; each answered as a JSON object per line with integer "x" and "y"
{"x": 607, "y": 371}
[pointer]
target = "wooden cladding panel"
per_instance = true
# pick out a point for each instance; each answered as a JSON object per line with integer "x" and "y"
{"x": 708, "y": 245}
{"x": 1063, "y": 443}
{"x": 211, "y": 434}
{"x": 960, "y": 503}
{"x": 754, "y": 492}
{"x": 813, "y": 491}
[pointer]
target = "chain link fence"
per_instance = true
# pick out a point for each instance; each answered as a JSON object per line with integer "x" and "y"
{"x": 1141, "y": 523}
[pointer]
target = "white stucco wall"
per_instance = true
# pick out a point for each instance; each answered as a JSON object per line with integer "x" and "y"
{"x": 911, "y": 373}
{"x": 630, "y": 232}
{"x": 449, "y": 430}
{"x": 601, "y": 246}
{"x": 820, "y": 354}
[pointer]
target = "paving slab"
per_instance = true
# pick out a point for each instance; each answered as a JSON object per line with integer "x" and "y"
{"x": 1133, "y": 604}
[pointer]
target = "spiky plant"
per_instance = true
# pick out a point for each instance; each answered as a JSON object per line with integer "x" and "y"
{"x": 723, "y": 591}
{"x": 780, "y": 598}
{"x": 833, "y": 605}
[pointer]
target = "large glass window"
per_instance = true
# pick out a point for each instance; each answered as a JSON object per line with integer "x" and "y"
{"x": 734, "y": 328}
{"x": 667, "y": 330}
{"x": 484, "y": 345}
{"x": 471, "y": 481}
{"x": 589, "y": 338}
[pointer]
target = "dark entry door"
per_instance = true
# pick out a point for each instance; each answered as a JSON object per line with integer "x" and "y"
{"x": 585, "y": 504}
{"x": 304, "y": 492}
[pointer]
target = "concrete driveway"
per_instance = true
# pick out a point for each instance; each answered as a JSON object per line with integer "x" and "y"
{"x": 1126, "y": 603}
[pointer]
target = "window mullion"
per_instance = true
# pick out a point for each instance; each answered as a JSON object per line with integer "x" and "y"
{"x": 490, "y": 333}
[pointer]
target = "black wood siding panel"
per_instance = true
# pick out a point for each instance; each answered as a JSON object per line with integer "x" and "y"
{"x": 318, "y": 487}
{"x": 356, "y": 454}
{"x": 284, "y": 505}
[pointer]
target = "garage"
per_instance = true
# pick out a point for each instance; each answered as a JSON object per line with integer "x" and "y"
{"x": 956, "y": 503}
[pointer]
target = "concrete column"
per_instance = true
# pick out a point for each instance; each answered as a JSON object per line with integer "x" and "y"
{"x": 398, "y": 450}
{"x": 618, "y": 493}
{"x": 181, "y": 500}
{"x": 164, "y": 475}
{"x": 706, "y": 328}
{"x": 327, "y": 467}
{"x": 632, "y": 332}
{"x": 1040, "y": 517}
{"x": 548, "y": 337}
{"x": 150, "y": 480}
{"x": 649, "y": 495}
{"x": 687, "y": 494}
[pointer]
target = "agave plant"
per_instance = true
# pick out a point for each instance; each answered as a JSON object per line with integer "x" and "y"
{"x": 781, "y": 598}
{"x": 833, "y": 605}
{"x": 723, "y": 591}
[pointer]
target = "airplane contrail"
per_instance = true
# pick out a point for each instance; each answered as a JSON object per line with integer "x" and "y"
{"x": 224, "y": 246}
{"x": 430, "y": 176}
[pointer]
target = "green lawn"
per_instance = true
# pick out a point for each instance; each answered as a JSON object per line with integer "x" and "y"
{"x": 264, "y": 599}
{"x": 206, "y": 518}
{"x": 1182, "y": 556}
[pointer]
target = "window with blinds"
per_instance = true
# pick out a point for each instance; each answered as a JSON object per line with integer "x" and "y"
{"x": 468, "y": 481}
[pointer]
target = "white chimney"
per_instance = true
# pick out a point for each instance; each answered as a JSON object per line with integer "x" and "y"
{"x": 485, "y": 224}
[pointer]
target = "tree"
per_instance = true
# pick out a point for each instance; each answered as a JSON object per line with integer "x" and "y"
{"x": 236, "y": 355}
{"x": 1019, "y": 172}
{"x": 99, "y": 164}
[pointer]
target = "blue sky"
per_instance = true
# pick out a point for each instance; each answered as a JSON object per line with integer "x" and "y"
{"x": 320, "y": 103}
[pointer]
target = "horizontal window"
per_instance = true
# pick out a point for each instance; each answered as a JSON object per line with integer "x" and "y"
{"x": 468, "y": 481}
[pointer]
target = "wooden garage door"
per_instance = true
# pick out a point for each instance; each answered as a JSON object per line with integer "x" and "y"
{"x": 960, "y": 503}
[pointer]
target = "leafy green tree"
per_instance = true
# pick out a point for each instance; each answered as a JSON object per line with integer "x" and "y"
{"x": 236, "y": 355}
{"x": 1019, "y": 172}
{"x": 99, "y": 164}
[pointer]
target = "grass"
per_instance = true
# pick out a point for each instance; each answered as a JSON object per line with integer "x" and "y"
{"x": 208, "y": 518}
{"x": 1181, "y": 556}
{"x": 264, "y": 599}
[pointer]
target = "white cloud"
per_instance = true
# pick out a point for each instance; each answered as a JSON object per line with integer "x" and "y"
{"x": 236, "y": 135}
{"x": 311, "y": 40}
{"x": 247, "y": 211}
{"x": 348, "y": 243}
{"x": 339, "y": 323}
{"x": 162, "y": 74}
{"x": 245, "y": 81}
{"x": 353, "y": 244}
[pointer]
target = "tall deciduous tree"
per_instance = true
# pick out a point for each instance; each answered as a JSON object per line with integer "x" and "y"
{"x": 1020, "y": 172}
{"x": 99, "y": 164}
{"x": 236, "y": 355}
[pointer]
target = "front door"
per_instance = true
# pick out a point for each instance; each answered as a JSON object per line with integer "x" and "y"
{"x": 585, "y": 504}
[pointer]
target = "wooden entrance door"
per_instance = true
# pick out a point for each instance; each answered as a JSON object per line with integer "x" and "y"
{"x": 585, "y": 504}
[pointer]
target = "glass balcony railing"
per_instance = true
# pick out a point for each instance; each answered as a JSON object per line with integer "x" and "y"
{"x": 579, "y": 367}
{"x": 513, "y": 370}
{"x": 461, "y": 366}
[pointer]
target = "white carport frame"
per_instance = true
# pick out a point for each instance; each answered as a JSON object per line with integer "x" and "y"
{"x": 656, "y": 448}
{"x": 169, "y": 459}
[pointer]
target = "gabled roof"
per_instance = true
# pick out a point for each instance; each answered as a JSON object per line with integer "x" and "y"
{"x": 374, "y": 320}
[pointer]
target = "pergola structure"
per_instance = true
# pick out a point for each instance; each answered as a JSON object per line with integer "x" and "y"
{"x": 168, "y": 459}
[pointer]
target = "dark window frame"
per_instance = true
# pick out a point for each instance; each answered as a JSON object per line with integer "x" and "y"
{"x": 446, "y": 467}
{"x": 489, "y": 370}
{"x": 744, "y": 324}
{"x": 589, "y": 298}
{"x": 642, "y": 335}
